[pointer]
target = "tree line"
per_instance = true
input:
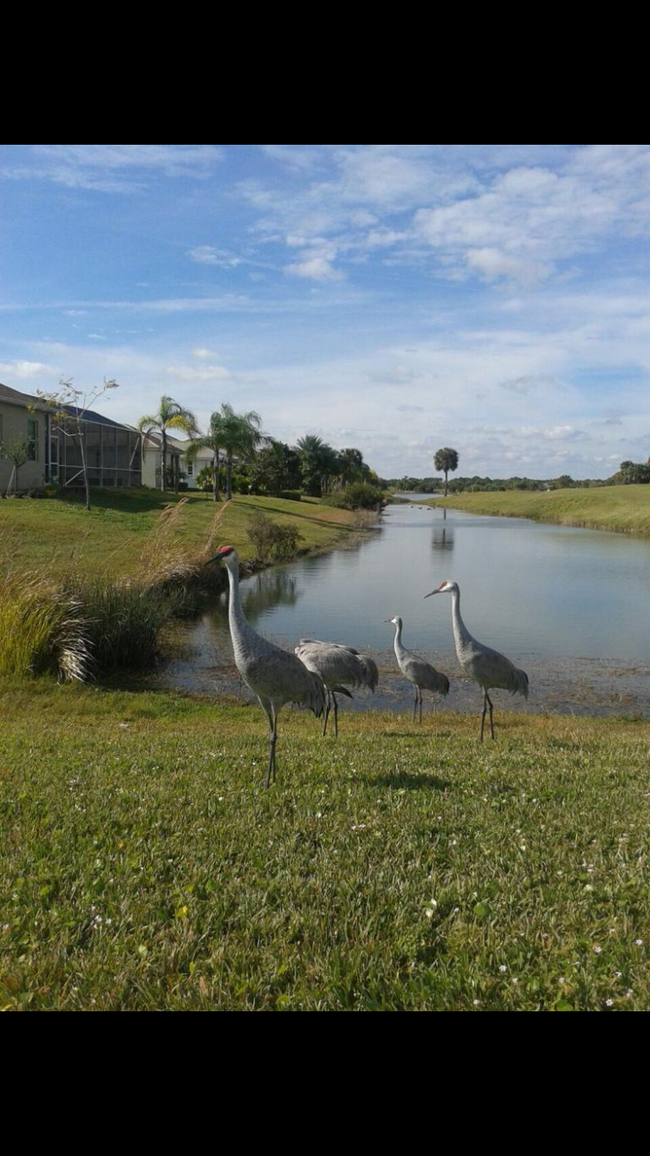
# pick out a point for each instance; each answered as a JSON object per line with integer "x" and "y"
{"x": 245, "y": 458}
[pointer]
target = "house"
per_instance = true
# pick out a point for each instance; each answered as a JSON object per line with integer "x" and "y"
{"x": 152, "y": 460}
{"x": 18, "y": 423}
{"x": 192, "y": 469}
{"x": 113, "y": 450}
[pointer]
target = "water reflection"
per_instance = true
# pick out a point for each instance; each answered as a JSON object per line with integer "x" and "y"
{"x": 551, "y": 595}
{"x": 443, "y": 536}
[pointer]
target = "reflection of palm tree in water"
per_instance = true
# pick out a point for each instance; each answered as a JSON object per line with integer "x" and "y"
{"x": 443, "y": 538}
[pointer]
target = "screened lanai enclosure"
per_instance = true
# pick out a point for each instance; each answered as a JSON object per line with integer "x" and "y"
{"x": 113, "y": 453}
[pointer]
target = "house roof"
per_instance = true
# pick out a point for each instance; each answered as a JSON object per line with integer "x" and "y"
{"x": 14, "y": 395}
{"x": 156, "y": 441}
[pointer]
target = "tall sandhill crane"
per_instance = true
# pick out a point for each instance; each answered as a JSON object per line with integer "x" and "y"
{"x": 338, "y": 666}
{"x": 274, "y": 675}
{"x": 485, "y": 666}
{"x": 422, "y": 674}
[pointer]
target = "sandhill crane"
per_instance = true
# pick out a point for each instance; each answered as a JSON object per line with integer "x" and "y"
{"x": 338, "y": 666}
{"x": 420, "y": 673}
{"x": 487, "y": 667}
{"x": 274, "y": 675}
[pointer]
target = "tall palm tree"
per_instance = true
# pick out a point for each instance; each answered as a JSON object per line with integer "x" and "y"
{"x": 170, "y": 415}
{"x": 446, "y": 459}
{"x": 213, "y": 440}
{"x": 239, "y": 433}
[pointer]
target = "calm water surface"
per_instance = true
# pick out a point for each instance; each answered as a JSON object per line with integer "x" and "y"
{"x": 571, "y": 606}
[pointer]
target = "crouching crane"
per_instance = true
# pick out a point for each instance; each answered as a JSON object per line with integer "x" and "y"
{"x": 339, "y": 667}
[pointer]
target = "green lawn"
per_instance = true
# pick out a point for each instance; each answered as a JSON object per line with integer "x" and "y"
{"x": 60, "y": 534}
{"x": 399, "y": 867}
{"x": 622, "y": 508}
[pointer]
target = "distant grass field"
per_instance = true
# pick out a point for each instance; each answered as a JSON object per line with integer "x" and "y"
{"x": 142, "y": 865}
{"x": 622, "y": 508}
{"x": 61, "y": 535}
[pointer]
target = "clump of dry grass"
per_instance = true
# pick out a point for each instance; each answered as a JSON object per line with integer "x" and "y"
{"x": 43, "y": 629}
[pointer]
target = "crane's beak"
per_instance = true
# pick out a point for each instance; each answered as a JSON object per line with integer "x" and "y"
{"x": 429, "y": 595}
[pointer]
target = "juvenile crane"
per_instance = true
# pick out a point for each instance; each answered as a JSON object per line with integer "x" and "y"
{"x": 338, "y": 666}
{"x": 485, "y": 666}
{"x": 274, "y": 676}
{"x": 422, "y": 674}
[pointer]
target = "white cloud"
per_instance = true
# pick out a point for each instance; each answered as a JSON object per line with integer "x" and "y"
{"x": 209, "y": 255}
{"x": 115, "y": 168}
{"x": 27, "y": 369}
{"x": 204, "y": 373}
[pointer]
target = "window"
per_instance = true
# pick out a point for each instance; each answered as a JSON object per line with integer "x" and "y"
{"x": 190, "y": 469}
{"x": 32, "y": 440}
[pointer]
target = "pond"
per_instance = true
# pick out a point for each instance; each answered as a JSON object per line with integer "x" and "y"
{"x": 570, "y": 606}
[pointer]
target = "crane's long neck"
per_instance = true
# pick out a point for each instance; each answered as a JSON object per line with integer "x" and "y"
{"x": 241, "y": 632}
{"x": 462, "y": 636}
{"x": 397, "y": 644}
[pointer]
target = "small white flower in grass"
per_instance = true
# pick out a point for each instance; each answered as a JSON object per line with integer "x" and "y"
{"x": 562, "y": 979}
{"x": 618, "y": 974}
{"x": 477, "y": 1003}
{"x": 629, "y": 993}
{"x": 609, "y": 1002}
{"x": 515, "y": 980}
{"x": 502, "y": 967}
{"x": 598, "y": 950}
{"x": 639, "y": 942}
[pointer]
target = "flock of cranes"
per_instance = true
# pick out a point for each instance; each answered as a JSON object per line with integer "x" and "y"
{"x": 318, "y": 671}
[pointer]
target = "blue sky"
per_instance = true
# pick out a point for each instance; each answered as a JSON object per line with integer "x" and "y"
{"x": 397, "y": 298}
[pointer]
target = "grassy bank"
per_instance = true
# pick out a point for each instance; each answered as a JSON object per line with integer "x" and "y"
{"x": 143, "y": 867}
{"x": 59, "y": 534}
{"x": 625, "y": 509}
{"x": 83, "y": 594}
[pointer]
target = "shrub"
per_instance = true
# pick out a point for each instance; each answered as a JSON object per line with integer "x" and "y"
{"x": 273, "y": 541}
{"x": 357, "y": 496}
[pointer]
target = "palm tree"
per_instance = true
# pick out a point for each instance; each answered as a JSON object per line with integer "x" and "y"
{"x": 312, "y": 449}
{"x": 213, "y": 440}
{"x": 350, "y": 465}
{"x": 239, "y": 433}
{"x": 171, "y": 415}
{"x": 446, "y": 460}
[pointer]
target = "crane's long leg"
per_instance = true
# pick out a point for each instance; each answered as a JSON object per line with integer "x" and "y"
{"x": 327, "y": 709}
{"x": 484, "y": 713}
{"x": 336, "y": 716}
{"x": 273, "y": 727}
{"x": 491, "y": 722}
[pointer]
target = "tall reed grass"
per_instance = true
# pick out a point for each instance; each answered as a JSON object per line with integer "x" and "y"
{"x": 82, "y": 626}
